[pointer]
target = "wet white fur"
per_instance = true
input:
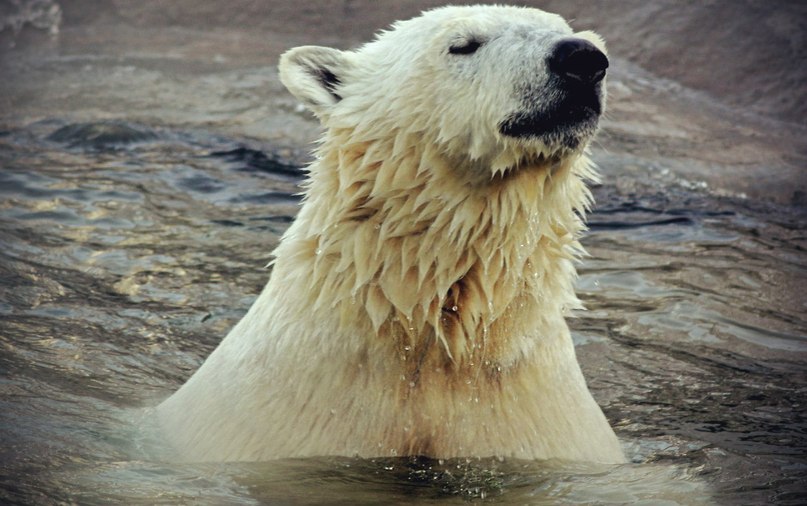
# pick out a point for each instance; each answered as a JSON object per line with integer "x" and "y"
{"x": 416, "y": 305}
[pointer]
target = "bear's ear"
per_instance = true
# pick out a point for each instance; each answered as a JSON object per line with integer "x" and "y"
{"x": 313, "y": 74}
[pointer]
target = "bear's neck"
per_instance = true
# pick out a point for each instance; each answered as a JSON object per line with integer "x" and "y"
{"x": 455, "y": 266}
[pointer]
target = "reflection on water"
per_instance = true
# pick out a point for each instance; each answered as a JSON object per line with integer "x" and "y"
{"x": 128, "y": 252}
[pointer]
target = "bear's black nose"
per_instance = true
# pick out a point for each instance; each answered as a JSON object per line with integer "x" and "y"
{"x": 578, "y": 60}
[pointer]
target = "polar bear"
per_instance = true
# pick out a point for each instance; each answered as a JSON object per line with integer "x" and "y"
{"x": 416, "y": 305}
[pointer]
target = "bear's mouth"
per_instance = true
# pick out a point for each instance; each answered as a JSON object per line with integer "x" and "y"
{"x": 566, "y": 123}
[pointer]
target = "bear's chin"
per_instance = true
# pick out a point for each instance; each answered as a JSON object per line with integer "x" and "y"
{"x": 542, "y": 159}
{"x": 566, "y": 124}
{"x": 562, "y": 130}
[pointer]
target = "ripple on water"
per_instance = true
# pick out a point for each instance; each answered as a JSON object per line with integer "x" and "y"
{"x": 102, "y": 134}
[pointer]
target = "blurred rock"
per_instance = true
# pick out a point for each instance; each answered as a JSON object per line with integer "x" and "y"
{"x": 749, "y": 53}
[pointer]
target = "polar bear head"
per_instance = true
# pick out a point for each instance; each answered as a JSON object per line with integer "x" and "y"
{"x": 493, "y": 87}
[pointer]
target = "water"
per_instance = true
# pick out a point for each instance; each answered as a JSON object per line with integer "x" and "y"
{"x": 135, "y": 221}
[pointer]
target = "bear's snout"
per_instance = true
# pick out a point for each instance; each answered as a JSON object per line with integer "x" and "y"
{"x": 578, "y": 61}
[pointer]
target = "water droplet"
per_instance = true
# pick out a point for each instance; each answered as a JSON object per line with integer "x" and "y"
{"x": 319, "y": 251}
{"x": 454, "y": 308}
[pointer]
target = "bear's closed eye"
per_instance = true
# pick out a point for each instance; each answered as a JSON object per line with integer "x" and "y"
{"x": 465, "y": 47}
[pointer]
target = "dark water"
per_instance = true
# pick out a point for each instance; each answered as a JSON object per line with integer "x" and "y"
{"x": 128, "y": 251}
{"x": 138, "y": 206}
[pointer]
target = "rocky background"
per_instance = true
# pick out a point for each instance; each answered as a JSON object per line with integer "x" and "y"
{"x": 749, "y": 53}
{"x": 729, "y": 111}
